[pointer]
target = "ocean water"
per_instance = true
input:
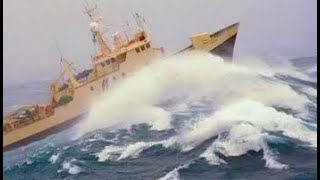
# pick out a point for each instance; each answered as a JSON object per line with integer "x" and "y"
{"x": 186, "y": 117}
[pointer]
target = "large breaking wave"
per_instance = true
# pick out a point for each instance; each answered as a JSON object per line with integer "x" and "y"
{"x": 186, "y": 112}
{"x": 242, "y": 107}
{"x": 153, "y": 93}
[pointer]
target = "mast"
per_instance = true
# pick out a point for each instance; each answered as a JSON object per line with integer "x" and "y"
{"x": 95, "y": 26}
{"x": 66, "y": 68}
{"x": 141, "y": 23}
{"x": 70, "y": 71}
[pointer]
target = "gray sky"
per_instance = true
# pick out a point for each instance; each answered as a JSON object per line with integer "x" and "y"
{"x": 268, "y": 28}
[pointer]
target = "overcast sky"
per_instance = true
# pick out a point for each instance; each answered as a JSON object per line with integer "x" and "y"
{"x": 268, "y": 28}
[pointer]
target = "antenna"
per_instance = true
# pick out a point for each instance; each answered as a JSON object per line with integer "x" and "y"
{"x": 58, "y": 48}
{"x": 86, "y": 2}
{"x": 140, "y": 21}
{"x": 135, "y": 19}
{"x": 97, "y": 32}
{"x": 88, "y": 11}
{"x": 139, "y": 18}
{"x": 61, "y": 57}
{"x": 125, "y": 29}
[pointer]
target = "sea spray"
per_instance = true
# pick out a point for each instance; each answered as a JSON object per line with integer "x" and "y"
{"x": 243, "y": 109}
{"x": 191, "y": 76}
{"x": 214, "y": 126}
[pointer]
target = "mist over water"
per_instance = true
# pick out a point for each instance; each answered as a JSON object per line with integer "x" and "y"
{"x": 194, "y": 113}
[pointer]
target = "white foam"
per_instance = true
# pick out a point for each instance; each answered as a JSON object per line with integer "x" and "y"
{"x": 271, "y": 161}
{"x": 133, "y": 150}
{"x": 252, "y": 112}
{"x": 243, "y": 104}
{"x": 91, "y": 140}
{"x": 174, "y": 174}
{"x": 246, "y": 124}
{"x": 211, "y": 157}
{"x": 241, "y": 139}
{"x": 108, "y": 153}
{"x": 129, "y": 150}
{"x": 189, "y": 76}
{"x": 29, "y": 161}
{"x": 71, "y": 168}
{"x": 54, "y": 158}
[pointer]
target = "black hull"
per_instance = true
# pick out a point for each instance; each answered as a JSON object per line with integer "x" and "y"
{"x": 44, "y": 134}
{"x": 225, "y": 50}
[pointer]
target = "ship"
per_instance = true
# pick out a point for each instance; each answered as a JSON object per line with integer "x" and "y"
{"x": 117, "y": 59}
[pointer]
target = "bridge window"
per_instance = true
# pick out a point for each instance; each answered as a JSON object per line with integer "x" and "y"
{"x": 142, "y": 48}
{"x": 113, "y": 60}
{"x": 148, "y": 45}
{"x": 107, "y": 62}
{"x": 91, "y": 88}
{"x": 102, "y": 64}
{"x": 137, "y": 50}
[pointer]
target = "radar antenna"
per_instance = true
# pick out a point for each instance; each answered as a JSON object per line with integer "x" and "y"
{"x": 96, "y": 30}
{"x": 58, "y": 48}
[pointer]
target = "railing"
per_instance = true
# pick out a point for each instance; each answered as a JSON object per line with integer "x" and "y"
{"x": 17, "y": 124}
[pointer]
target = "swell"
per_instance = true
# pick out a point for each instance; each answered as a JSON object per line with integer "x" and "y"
{"x": 192, "y": 114}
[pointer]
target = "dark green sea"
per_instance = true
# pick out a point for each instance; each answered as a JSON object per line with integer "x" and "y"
{"x": 236, "y": 125}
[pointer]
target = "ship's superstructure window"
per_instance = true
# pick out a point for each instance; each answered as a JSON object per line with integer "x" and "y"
{"x": 107, "y": 62}
{"x": 148, "y": 45}
{"x": 102, "y": 64}
{"x": 142, "y": 48}
{"x": 123, "y": 74}
{"x": 137, "y": 50}
{"x": 91, "y": 88}
{"x": 113, "y": 60}
{"x": 114, "y": 78}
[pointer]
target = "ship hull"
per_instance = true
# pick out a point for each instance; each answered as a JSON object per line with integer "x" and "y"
{"x": 226, "y": 49}
{"x": 221, "y": 44}
{"x": 43, "y": 134}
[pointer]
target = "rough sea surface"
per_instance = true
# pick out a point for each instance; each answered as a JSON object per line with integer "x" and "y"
{"x": 188, "y": 117}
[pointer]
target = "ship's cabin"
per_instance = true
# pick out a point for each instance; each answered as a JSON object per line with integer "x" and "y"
{"x": 107, "y": 58}
{"x": 105, "y": 63}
